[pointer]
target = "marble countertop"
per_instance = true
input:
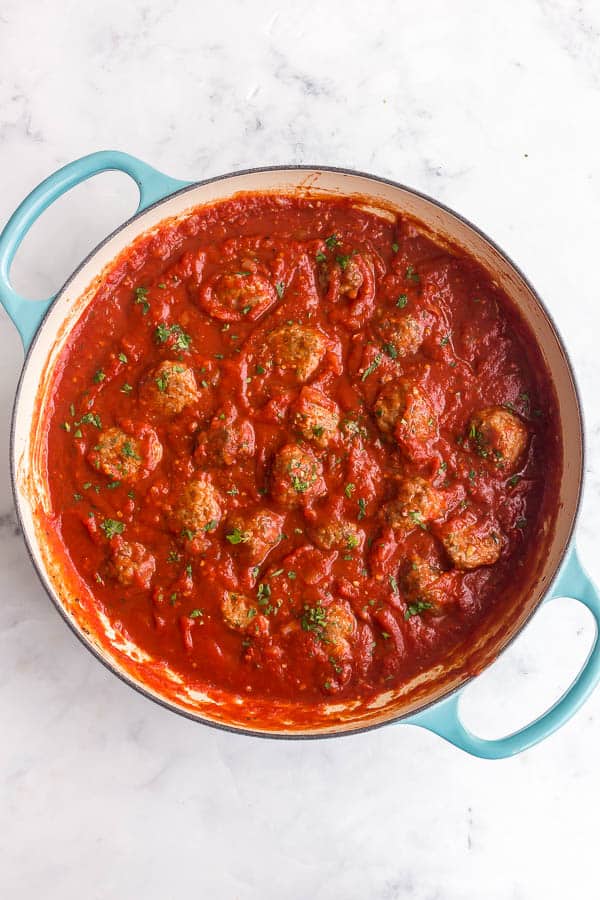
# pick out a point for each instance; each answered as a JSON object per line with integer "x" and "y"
{"x": 495, "y": 110}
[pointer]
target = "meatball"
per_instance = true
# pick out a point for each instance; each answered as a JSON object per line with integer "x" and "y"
{"x": 352, "y": 277}
{"x": 226, "y": 442}
{"x": 498, "y": 435}
{"x": 390, "y": 405}
{"x": 253, "y": 533}
{"x": 420, "y": 575}
{"x": 169, "y": 388}
{"x": 238, "y": 611}
{"x": 197, "y": 507}
{"x": 425, "y": 585}
{"x": 316, "y": 416}
{"x": 417, "y": 503}
{"x": 297, "y": 476}
{"x": 297, "y": 348}
{"x": 238, "y": 296}
{"x": 126, "y": 458}
{"x": 335, "y": 534}
{"x": 403, "y": 410}
{"x": 471, "y": 543}
{"x": 402, "y": 333}
{"x": 340, "y": 625}
{"x": 131, "y": 563}
{"x": 352, "y": 281}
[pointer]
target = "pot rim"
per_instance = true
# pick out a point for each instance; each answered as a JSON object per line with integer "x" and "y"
{"x": 240, "y": 729}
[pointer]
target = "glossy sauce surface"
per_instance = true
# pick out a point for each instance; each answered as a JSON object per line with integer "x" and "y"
{"x": 298, "y": 450}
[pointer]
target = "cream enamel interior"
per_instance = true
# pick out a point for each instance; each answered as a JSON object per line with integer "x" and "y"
{"x": 32, "y": 493}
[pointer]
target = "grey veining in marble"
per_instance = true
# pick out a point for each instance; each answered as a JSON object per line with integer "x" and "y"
{"x": 494, "y": 108}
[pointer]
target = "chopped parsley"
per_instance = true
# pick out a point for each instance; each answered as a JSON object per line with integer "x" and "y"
{"x": 280, "y": 288}
{"x": 112, "y": 527}
{"x": 263, "y": 594}
{"x": 299, "y": 485}
{"x": 395, "y": 247}
{"x": 412, "y": 275}
{"x": 195, "y": 613}
{"x": 402, "y": 301}
{"x": 314, "y": 619}
{"x": 416, "y": 608}
{"x": 128, "y": 451}
{"x": 122, "y": 358}
{"x": 362, "y": 508}
{"x": 349, "y": 489}
{"x": 417, "y": 519}
{"x": 99, "y": 376}
{"x": 371, "y": 368}
{"x": 90, "y": 419}
{"x": 390, "y": 350}
{"x": 237, "y": 536}
{"x": 141, "y": 294}
{"x": 126, "y": 389}
{"x": 175, "y": 333}
{"x": 162, "y": 382}
{"x": 210, "y": 526}
{"x": 343, "y": 261}
{"x": 332, "y": 241}
{"x": 320, "y": 257}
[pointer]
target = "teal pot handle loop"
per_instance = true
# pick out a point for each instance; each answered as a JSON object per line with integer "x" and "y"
{"x": 444, "y": 720}
{"x": 153, "y": 186}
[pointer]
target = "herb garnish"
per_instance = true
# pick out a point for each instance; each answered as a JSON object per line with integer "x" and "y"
{"x": 112, "y": 527}
{"x": 314, "y": 618}
{"x": 416, "y": 608}
{"x": 140, "y": 298}
{"x": 371, "y": 368}
{"x": 180, "y": 340}
{"x": 237, "y": 537}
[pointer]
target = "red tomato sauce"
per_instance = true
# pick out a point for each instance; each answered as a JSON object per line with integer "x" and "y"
{"x": 300, "y": 450}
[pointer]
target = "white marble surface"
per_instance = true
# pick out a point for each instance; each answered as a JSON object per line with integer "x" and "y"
{"x": 494, "y": 109}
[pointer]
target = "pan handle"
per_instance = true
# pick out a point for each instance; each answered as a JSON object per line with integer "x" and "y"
{"x": 153, "y": 185}
{"x": 444, "y": 720}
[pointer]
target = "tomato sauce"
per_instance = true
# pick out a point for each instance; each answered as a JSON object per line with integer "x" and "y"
{"x": 298, "y": 449}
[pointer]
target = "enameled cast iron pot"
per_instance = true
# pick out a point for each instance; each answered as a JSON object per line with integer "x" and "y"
{"x": 432, "y": 699}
